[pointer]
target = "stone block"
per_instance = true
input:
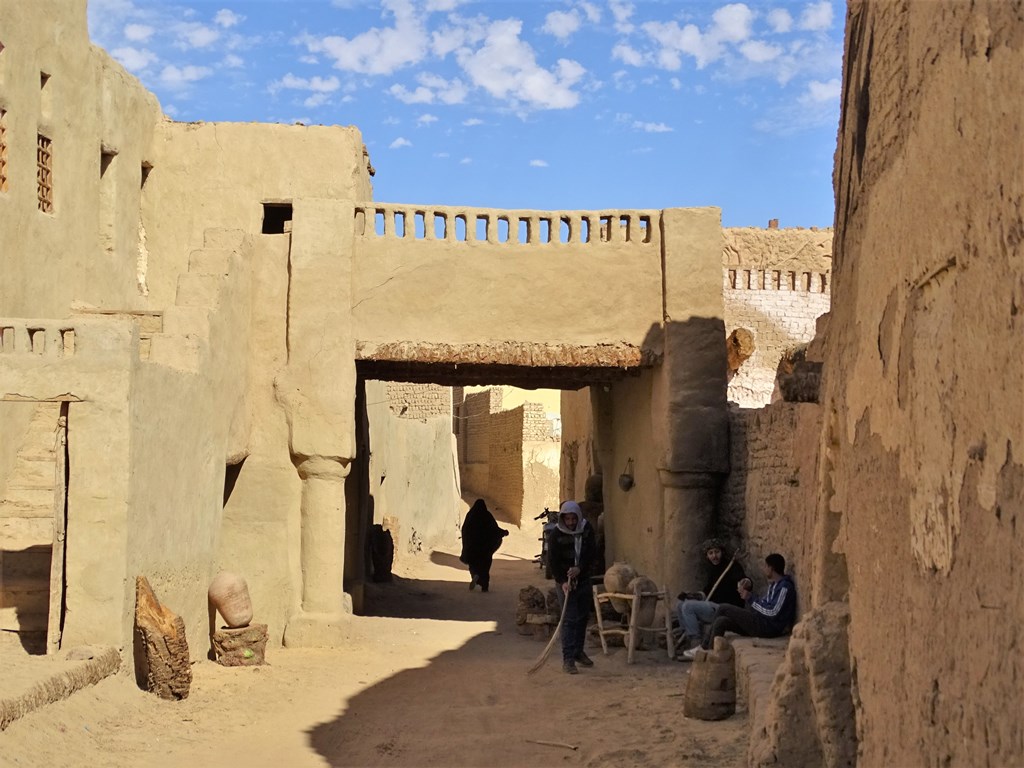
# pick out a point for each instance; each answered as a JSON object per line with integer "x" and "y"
{"x": 242, "y": 647}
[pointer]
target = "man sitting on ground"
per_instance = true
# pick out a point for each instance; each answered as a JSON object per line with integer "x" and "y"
{"x": 723, "y": 578}
{"x": 768, "y": 616}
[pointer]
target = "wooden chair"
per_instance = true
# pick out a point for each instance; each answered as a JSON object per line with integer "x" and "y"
{"x": 631, "y": 628}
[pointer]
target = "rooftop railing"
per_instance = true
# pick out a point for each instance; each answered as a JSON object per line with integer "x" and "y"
{"x": 505, "y": 227}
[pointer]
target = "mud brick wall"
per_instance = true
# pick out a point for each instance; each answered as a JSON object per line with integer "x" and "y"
{"x": 767, "y": 503}
{"x": 505, "y": 476}
{"x": 419, "y": 401}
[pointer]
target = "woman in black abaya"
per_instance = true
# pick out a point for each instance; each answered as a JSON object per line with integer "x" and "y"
{"x": 481, "y": 538}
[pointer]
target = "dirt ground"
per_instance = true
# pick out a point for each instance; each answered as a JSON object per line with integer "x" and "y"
{"x": 436, "y": 677}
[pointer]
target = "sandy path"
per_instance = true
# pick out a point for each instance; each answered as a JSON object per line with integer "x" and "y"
{"x": 437, "y": 678}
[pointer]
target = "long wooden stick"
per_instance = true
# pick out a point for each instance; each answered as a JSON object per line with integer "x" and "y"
{"x": 573, "y": 747}
{"x": 722, "y": 576}
{"x": 558, "y": 631}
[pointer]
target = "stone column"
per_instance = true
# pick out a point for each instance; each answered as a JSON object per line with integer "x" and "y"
{"x": 317, "y": 390}
{"x": 323, "y": 534}
{"x": 689, "y": 403}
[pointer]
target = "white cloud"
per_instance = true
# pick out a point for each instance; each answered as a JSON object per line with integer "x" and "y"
{"x": 134, "y": 58}
{"x": 822, "y": 92}
{"x": 426, "y": 119}
{"x": 458, "y": 34}
{"x": 627, "y": 55}
{"x": 759, "y": 52}
{"x": 443, "y": 5}
{"x": 591, "y": 11}
{"x": 729, "y": 24}
{"x": 817, "y": 16}
{"x": 506, "y": 67}
{"x": 431, "y": 88}
{"x": 472, "y": 121}
{"x": 465, "y": 161}
{"x": 399, "y": 143}
{"x": 377, "y": 51}
{"x": 316, "y": 84}
{"x": 179, "y": 77}
{"x": 226, "y": 18}
{"x": 316, "y": 100}
{"x": 676, "y": 83}
{"x": 231, "y": 61}
{"x": 780, "y": 20}
{"x": 309, "y": 59}
{"x": 652, "y": 127}
{"x": 191, "y": 34}
{"x": 442, "y": 155}
{"x": 538, "y": 163}
{"x": 391, "y": 121}
{"x": 621, "y": 12}
{"x": 562, "y": 24}
{"x": 138, "y": 33}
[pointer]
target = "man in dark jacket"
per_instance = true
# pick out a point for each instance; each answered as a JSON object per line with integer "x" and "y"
{"x": 769, "y": 616}
{"x": 481, "y": 538}
{"x": 571, "y": 551}
{"x": 721, "y": 587}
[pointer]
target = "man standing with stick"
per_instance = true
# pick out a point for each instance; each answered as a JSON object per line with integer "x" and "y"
{"x": 571, "y": 550}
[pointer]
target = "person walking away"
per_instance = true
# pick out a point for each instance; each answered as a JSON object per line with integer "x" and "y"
{"x": 481, "y": 537}
{"x": 571, "y": 551}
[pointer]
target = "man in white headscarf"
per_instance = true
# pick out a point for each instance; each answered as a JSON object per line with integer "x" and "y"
{"x": 571, "y": 551}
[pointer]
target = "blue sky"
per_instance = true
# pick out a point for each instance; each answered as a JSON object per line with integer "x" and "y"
{"x": 566, "y": 105}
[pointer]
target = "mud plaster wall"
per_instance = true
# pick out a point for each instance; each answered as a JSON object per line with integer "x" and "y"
{"x": 768, "y": 500}
{"x": 577, "y": 461}
{"x": 924, "y": 377}
{"x": 419, "y": 401}
{"x": 413, "y": 471}
{"x": 89, "y": 104}
{"x": 776, "y": 282}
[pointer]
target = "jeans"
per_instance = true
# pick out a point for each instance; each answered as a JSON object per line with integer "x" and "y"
{"x": 743, "y": 621}
{"x": 693, "y": 613}
{"x": 574, "y": 624}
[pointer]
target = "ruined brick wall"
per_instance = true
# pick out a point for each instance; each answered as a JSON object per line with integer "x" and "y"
{"x": 923, "y": 379}
{"x": 419, "y": 401}
{"x": 768, "y": 500}
{"x": 776, "y": 282}
{"x": 475, "y": 439}
{"x": 505, "y": 465}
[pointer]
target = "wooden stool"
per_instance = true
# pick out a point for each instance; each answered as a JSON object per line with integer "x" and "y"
{"x": 630, "y": 630}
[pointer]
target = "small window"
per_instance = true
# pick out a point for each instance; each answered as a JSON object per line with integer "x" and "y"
{"x": 144, "y": 177}
{"x": 44, "y": 173}
{"x": 277, "y": 218}
{"x": 3, "y": 148}
{"x": 45, "y": 101}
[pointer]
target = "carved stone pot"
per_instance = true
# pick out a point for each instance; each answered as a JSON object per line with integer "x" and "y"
{"x": 229, "y": 594}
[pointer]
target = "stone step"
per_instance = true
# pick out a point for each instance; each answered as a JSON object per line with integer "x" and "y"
{"x": 24, "y": 532}
{"x": 19, "y": 509}
{"x": 199, "y": 290}
{"x": 181, "y": 352}
{"x": 210, "y": 261}
{"x": 29, "y": 498}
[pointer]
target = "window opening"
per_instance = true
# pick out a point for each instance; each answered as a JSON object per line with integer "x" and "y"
{"x": 564, "y": 230}
{"x": 545, "y": 230}
{"x": 277, "y": 218}
{"x": 108, "y": 196}
{"x": 144, "y": 176}
{"x": 585, "y": 230}
{"x": 44, "y": 173}
{"x": 3, "y": 146}
{"x": 626, "y": 228}
{"x": 378, "y": 222}
{"x": 645, "y": 229}
{"x": 399, "y": 224}
{"x": 503, "y": 229}
{"x": 460, "y": 227}
{"x": 524, "y": 230}
{"x": 482, "y": 225}
{"x": 419, "y": 225}
{"x": 440, "y": 226}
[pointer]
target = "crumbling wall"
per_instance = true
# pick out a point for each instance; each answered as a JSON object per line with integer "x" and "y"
{"x": 768, "y": 501}
{"x": 923, "y": 378}
{"x": 419, "y": 401}
{"x": 776, "y": 282}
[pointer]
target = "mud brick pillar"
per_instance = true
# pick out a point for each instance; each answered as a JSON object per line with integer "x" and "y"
{"x": 690, "y": 389}
{"x": 318, "y": 391}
